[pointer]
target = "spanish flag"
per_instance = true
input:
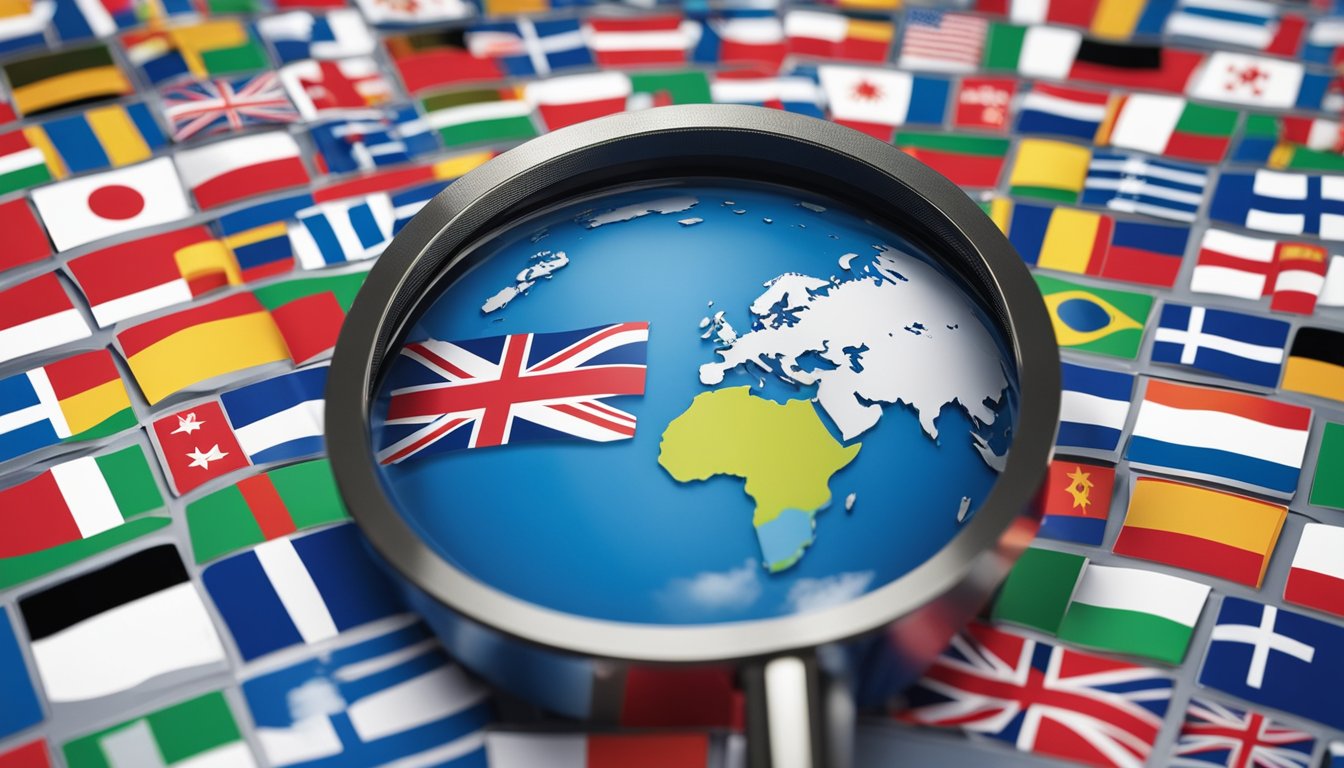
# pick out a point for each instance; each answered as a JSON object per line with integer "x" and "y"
{"x": 1316, "y": 363}
{"x": 1200, "y": 529}
{"x": 175, "y": 351}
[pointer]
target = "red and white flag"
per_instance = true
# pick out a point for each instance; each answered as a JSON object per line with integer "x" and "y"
{"x": 1248, "y": 267}
{"x": 835, "y": 36}
{"x": 316, "y": 87}
{"x": 572, "y": 99}
{"x": 1317, "y": 576}
{"x": 226, "y": 171}
{"x": 89, "y": 208}
{"x": 37, "y": 315}
{"x": 653, "y": 40}
{"x": 751, "y": 40}
{"x": 196, "y": 445}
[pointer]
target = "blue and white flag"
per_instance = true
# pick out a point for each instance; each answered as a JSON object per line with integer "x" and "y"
{"x": 300, "y": 35}
{"x": 1093, "y": 408}
{"x": 345, "y": 146}
{"x": 21, "y": 708}
{"x": 280, "y": 417}
{"x": 1153, "y": 187}
{"x": 303, "y": 590}
{"x": 527, "y": 48}
{"x": 1334, "y": 756}
{"x": 395, "y": 699}
{"x": 342, "y": 231}
{"x": 408, "y": 202}
{"x": 1283, "y": 203}
{"x": 1248, "y": 24}
{"x": 1277, "y": 658}
{"x": 1244, "y": 347}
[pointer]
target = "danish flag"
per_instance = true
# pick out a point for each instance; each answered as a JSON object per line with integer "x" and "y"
{"x": 454, "y": 395}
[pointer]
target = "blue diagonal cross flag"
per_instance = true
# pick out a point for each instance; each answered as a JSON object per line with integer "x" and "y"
{"x": 1277, "y": 658}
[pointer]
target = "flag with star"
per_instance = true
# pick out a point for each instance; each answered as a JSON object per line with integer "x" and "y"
{"x": 1076, "y": 501}
{"x": 196, "y": 445}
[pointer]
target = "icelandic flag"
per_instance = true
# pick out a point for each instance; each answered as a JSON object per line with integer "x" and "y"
{"x": 280, "y": 417}
{"x": 527, "y": 48}
{"x": 341, "y": 231}
{"x": 395, "y": 699}
{"x": 303, "y": 590}
{"x": 1277, "y": 658}
{"x": 1093, "y": 408}
{"x": 1233, "y": 438}
{"x": 1239, "y": 346}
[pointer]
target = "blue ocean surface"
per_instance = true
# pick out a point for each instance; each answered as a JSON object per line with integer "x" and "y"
{"x": 601, "y": 530}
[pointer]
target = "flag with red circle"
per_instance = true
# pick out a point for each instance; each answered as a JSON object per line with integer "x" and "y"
{"x": 93, "y": 207}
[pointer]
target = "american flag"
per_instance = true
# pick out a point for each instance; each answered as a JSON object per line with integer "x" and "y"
{"x": 943, "y": 41}
{"x": 1043, "y": 699}
{"x": 1216, "y": 734}
{"x": 218, "y": 106}
{"x": 453, "y": 395}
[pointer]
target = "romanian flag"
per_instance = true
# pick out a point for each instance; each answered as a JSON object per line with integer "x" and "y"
{"x": 65, "y": 78}
{"x": 968, "y": 161}
{"x": 1063, "y": 239}
{"x": 1200, "y": 529}
{"x": 1076, "y": 501}
{"x": 78, "y": 398}
{"x": 1316, "y": 363}
{"x": 175, "y": 351}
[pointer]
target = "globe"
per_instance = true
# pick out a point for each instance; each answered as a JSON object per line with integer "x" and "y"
{"x": 694, "y": 402}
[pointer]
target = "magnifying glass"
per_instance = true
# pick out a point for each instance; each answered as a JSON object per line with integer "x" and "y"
{"x": 697, "y": 385}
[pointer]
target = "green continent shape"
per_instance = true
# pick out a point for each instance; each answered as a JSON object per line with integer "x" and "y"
{"x": 783, "y": 451}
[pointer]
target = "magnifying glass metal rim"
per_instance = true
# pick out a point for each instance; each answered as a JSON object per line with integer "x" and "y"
{"x": 728, "y": 140}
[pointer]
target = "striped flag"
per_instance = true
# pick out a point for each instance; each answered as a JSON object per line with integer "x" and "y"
{"x": 37, "y": 314}
{"x": 396, "y": 699}
{"x": 196, "y": 732}
{"x": 1316, "y": 579}
{"x": 1037, "y": 590}
{"x": 342, "y": 231}
{"x": 1236, "y": 439}
{"x": 1049, "y": 169}
{"x": 512, "y": 749}
{"x": 1135, "y": 185}
{"x": 1062, "y": 111}
{"x": 309, "y": 311}
{"x": 1133, "y": 611}
{"x": 279, "y": 418}
{"x": 74, "y": 510}
{"x": 663, "y": 39}
{"x": 303, "y": 590}
{"x": 1243, "y": 347}
{"x": 80, "y": 397}
{"x": 1171, "y": 126}
{"x": 1246, "y": 23}
{"x": 97, "y": 139}
{"x": 22, "y": 165}
{"x": 968, "y": 161}
{"x": 563, "y": 101}
{"x": 792, "y": 93}
{"x": 938, "y": 40}
{"x": 1093, "y": 408}
{"x": 480, "y": 115}
{"x": 1246, "y": 267}
{"x": 263, "y": 507}
{"x": 258, "y": 235}
{"x": 1316, "y": 363}
{"x": 836, "y": 36}
{"x": 234, "y": 169}
{"x": 1200, "y": 529}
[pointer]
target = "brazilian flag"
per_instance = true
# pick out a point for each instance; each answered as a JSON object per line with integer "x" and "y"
{"x": 1107, "y": 322}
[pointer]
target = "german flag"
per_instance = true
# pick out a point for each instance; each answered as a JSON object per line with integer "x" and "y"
{"x": 66, "y": 78}
{"x": 1316, "y": 363}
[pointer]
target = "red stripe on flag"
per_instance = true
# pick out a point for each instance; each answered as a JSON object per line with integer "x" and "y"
{"x": 82, "y": 372}
{"x": 1288, "y": 40}
{"x": 1101, "y": 244}
{"x": 733, "y": 52}
{"x": 139, "y": 337}
{"x": 1211, "y": 258}
{"x": 1075, "y": 13}
{"x": 1315, "y": 590}
{"x": 12, "y": 142}
{"x": 876, "y": 130}
{"x": 267, "y": 507}
{"x": 690, "y": 750}
{"x": 962, "y": 169}
{"x": 126, "y": 268}
{"x": 431, "y": 69}
{"x": 310, "y": 325}
{"x": 661, "y": 23}
{"x": 1135, "y": 265}
{"x": 1171, "y": 76}
{"x": 377, "y": 182}
{"x": 250, "y": 180}
{"x": 25, "y": 239}
{"x": 40, "y": 297}
{"x": 1093, "y": 98}
{"x": 1192, "y": 553}
{"x": 561, "y": 115}
{"x": 1259, "y": 409}
{"x": 1190, "y": 146}
{"x": 1297, "y": 302}
{"x": 666, "y": 697}
{"x": 635, "y": 58}
{"x": 34, "y": 517}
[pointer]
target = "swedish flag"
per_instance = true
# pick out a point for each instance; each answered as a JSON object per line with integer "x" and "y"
{"x": 1107, "y": 322}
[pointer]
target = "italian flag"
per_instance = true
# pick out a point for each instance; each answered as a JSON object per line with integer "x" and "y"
{"x": 74, "y": 510}
{"x": 1133, "y": 611}
{"x": 262, "y": 508}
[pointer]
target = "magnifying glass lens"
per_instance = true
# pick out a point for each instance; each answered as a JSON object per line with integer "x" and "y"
{"x": 694, "y": 402}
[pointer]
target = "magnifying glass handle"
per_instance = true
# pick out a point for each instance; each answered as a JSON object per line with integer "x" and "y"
{"x": 798, "y": 715}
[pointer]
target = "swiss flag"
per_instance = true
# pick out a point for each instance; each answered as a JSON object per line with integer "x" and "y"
{"x": 197, "y": 445}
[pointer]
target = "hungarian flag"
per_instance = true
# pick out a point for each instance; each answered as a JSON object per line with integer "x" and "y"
{"x": 89, "y": 208}
{"x": 37, "y": 315}
{"x": 967, "y": 161}
{"x": 1170, "y": 126}
{"x": 199, "y": 731}
{"x": 111, "y": 629}
{"x": 175, "y": 351}
{"x": 80, "y": 397}
{"x": 25, "y": 240}
{"x": 22, "y": 165}
{"x": 263, "y": 507}
{"x": 309, "y": 311}
{"x": 197, "y": 445}
{"x": 572, "y": 99}
{"x": 640, "y": 41}
{"x": 231, "y": 170}
{"x": 75, "y": 510}
{"x": 141, "y": 276}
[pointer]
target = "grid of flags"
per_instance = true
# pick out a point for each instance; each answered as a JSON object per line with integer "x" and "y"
{"x": 191, "y": 193}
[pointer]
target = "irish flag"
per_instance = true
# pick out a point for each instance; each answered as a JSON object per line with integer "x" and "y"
{"x": 1128, "y": 610}
{"x": 1317, "y": 577}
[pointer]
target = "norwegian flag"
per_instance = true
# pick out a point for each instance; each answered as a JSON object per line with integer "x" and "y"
{"x": 1215, "y": 734}
{"x": 220, "y": 106}
{"x": 454, "y": 395}
{"x": 1043, "y": 699}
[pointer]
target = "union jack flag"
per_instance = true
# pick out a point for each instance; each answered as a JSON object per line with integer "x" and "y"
{"x": 1215, "y": 734}
{"x": 218, "y": 106}
{"x": 1043, "y": 699}
{"x": 453, "y": 395}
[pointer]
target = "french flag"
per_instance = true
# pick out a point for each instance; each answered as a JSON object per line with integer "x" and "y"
{"x": 1236, "y": 439}
{"x": 1317, "y": 577}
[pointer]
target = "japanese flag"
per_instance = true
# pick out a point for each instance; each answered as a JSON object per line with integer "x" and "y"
{"x": 91, "y": 208}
